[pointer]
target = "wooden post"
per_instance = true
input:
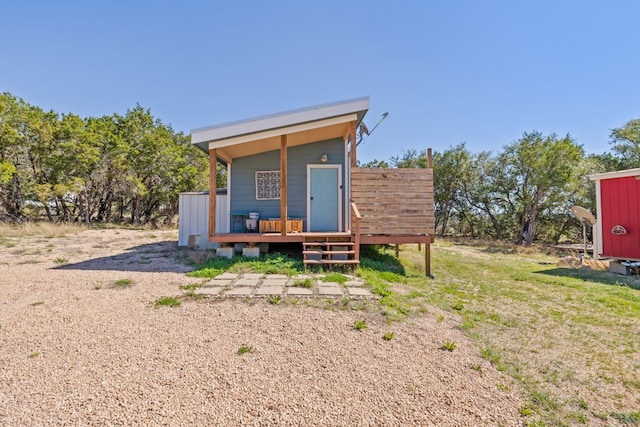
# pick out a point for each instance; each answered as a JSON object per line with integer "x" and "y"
{"x": 283, "y": 185}
{"x": 397, "y": 251}
{"x": 427, "y": 246}
{"x": 212, "y": 191}
{"x": 427, "y": 259}
{"x": 352, "y": 136}
{"x": 419, "y": 247}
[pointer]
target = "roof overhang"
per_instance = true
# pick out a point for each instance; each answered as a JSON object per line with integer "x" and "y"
{"x": 617, "y": 174}
{"x": 261, "y": 134}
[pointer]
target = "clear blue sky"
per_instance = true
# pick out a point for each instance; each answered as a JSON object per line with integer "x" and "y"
{"x": 480, "y": 72}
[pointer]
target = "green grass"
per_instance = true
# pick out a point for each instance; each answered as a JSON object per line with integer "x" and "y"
{"x": 34, "y": 355}
{"x": 388, "y": 336}
{"x": 269, "y": 264}
{"x": 335, "y": 278}
{"x": 167, "y": 302}
{"x": 245, "y": 349}
{"x": 275, "y": 299}
{"x": 123, "y": 283}
{"x": 449, "y": 345}
{"x": 191, "y": 286}
{"x": 360, "y": 325}
{"x": 556, "y": 331}
{"x": 306, "y": 283}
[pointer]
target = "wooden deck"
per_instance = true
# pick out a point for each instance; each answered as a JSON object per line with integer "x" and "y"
{"x": 273, "y": 237}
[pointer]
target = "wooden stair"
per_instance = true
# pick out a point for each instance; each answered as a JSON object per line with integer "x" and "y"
{"x": 329, "y": 251}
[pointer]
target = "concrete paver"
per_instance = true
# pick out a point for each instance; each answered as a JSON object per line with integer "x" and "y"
{"x": 267, "y": 281}
{"x": 227, "y": 275}
{"x": 299, "y": 292}
{"x": 360, "y": 292}
{"x": 243, "y": 291}
{"x": 270, "y": 290}
{"x": 219, "y": 282}
{"x": 329, "y": 284}
{"x": 246, "y": 281}
{"x": 257, "y": 284}
{"x": 208, "y": 291}
{"x": 330, "y": 290}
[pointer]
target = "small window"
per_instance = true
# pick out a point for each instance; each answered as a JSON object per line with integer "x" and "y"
{"x": 267, "y": 185}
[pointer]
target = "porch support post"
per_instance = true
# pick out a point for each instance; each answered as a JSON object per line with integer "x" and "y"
{"x": 352, "y": 136}
{"x": 212, "y": 191}
{"x": 283, "y": 185}
{"x": 427, "y": 259}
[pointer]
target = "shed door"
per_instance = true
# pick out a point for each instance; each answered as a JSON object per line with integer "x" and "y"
{"x": 324, "y": 188}
{"x": 620, "y": 205}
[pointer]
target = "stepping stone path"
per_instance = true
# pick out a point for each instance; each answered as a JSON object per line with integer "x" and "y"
{"x": 265, "y": 285}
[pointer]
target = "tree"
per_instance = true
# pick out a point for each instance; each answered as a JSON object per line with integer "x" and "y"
{"x": 541, "y": 169}
{"x": 626, "y": 144}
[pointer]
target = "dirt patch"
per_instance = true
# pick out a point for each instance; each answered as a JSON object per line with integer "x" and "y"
{"x": 79, "y": 349}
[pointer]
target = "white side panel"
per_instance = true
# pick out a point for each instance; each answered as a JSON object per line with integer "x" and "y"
{"x": 193, "y": 213}
{"x": 597, "y": 230}
{"x": 182, "y": 221}
{"x": 222, "y": 213}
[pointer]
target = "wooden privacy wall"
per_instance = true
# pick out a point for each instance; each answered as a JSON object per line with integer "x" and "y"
{"x": 394, "y": 201}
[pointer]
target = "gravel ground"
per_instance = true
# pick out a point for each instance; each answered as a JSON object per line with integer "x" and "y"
{"x": 77, "y": 350}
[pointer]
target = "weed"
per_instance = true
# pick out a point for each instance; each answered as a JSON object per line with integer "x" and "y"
{"x": 441, "y": 318}
{"x": 60, "y": 260}
{"x": 245, "y": 349}
{"x": 525, "y": 411}
{"x": 544, "y": 400}
{"x": 166, "y": 302}
{"x": 631, "y": 418}
{"x": 360, "y": 325}
{"x": 123, "y": 283}
{"x": 275, "y": 299}
{"x": 476, "y": 368}
{"x": 37, "y": 303}
{"x": 335, "y": 278}
{"x": 449, "y": 345}
{"x": 191, "y": 286}
{"x": 34, "y": 355}
{"x": 492, "y": 356}
{"x": 388, "y": 336}
{"x": 300, "y": 283}
{"x": 458, "y": 306}
{"x": 273, "y": 263}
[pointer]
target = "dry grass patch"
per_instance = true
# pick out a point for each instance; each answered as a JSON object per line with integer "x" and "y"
{"x": 566, "y": 333}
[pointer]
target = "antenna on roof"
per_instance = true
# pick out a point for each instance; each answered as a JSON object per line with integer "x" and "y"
{"x": 364, "y": 131}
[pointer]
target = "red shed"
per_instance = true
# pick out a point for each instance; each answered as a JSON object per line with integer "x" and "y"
{"x": 617, "y": 233}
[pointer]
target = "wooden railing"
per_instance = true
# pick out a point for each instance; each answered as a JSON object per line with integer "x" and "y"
{"x": 356, "y": 229}
{"x": 394, "y": 201}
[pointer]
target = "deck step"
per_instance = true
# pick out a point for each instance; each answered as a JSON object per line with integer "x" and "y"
{"x": 328, "y": 252}
{"x": 331, "y": 261}
{"x": 332, "y": 243}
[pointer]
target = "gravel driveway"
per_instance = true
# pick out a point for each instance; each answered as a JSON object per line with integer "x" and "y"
{"x": 77, "y": 350}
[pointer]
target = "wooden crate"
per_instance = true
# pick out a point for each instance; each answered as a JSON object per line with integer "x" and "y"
{"x": 274, "y": 226}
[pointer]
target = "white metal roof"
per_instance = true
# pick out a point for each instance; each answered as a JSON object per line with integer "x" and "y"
{"x": 324, "y": 121}
{"x": 616, "y": 174}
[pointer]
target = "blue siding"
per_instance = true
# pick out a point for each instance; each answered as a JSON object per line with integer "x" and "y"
{"x": 243, "y": 186}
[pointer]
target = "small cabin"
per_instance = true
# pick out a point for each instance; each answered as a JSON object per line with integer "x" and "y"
{"x": 617, "y": 230}
{"x": 292, "y": 177}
